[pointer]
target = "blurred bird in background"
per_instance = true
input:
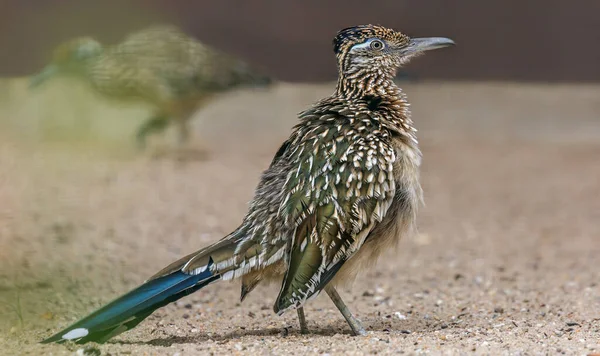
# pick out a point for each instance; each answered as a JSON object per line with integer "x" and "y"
{"x": 342, "y": 189}
{"x": 159, "y": 65}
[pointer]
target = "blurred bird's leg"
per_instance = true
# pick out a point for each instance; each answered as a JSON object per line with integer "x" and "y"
{"x": 157, "y": 123}
{"x": 302, "y": 320}
{"x": 354, "y": 323}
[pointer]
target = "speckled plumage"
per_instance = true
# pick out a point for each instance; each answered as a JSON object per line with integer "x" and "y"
{"x": 343, "y": 188}
{"x": 352, "y": 157}
{"x": 159, "y": 65}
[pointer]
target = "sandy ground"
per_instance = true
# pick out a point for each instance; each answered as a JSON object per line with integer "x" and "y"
{"x": 506, "y": 261}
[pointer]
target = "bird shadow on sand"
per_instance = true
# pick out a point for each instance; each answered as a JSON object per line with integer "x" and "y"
{"x": 225, "y": 337}
{"x": 290, "y": 331}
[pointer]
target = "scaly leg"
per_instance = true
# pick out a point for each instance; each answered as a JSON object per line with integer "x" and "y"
{"x": 302, "y": 320}
{"x": 354, "y": 323}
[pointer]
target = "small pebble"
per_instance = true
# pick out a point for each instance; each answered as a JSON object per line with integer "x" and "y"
{"x": 400, "y": 316}
{"x": 47, "y": 316}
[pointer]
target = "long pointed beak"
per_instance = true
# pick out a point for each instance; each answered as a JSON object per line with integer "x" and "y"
{"x": 46, "y": 73}
{"x": 416, "y": 45}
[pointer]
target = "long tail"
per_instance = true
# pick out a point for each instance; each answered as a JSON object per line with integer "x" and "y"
{"x": 169, "y": 285}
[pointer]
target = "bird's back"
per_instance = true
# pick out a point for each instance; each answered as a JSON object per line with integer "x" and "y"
{"x": 163, "y": 63}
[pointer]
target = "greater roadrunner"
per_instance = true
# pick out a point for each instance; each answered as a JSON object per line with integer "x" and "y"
{"x": 159, "y": 65}
{"x": 341, "y": 190}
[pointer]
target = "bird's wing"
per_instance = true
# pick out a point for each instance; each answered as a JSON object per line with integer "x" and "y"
{"x": 340, "y": 188}
{"x": 162, "y": 53}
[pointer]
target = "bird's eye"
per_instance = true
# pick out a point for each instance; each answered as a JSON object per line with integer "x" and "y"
{"x": 377, "y": 45}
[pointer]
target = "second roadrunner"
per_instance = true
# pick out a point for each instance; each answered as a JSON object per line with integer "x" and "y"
{"x": 159, "y": 65}
{"x": 341, "y": 190}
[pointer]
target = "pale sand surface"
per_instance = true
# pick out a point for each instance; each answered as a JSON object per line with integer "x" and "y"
{"x": 507, "y": 260}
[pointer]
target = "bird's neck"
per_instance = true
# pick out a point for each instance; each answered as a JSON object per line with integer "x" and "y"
{"x": 104, "y": 76}
{"x": 369, "y": 88}
{"x": 84, "y": 68}
{"x": 361, "y": 82}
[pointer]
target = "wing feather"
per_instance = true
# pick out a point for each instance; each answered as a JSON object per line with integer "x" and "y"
{"x": 341, "y": 187}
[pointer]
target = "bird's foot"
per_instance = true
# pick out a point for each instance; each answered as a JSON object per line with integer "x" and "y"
{"x": 352, "y": 321}
{"x": 357, "y": 328}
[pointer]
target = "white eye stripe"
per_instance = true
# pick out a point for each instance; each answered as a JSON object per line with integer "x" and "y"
{"x": 361, "y": 46}
{"x": 365, "y": 45}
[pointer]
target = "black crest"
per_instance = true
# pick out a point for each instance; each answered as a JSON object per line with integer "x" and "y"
{"x": 351, "y": 35}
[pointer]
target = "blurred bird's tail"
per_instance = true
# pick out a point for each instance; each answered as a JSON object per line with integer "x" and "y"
{"x": 172, "y": 283}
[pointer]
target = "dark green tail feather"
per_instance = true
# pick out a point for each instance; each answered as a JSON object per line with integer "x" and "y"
{"x": 129, "y": 310}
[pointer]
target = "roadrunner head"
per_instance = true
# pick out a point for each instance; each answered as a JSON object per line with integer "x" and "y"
{"x": 368, "y": 56}
{"x": 69, "y": 58}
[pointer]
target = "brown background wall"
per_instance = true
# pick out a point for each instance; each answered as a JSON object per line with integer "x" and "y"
{"x": 550, "y": 40}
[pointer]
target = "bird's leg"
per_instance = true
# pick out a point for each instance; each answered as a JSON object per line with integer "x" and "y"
{"x": 354, "y": 323}
{"x": 302, "y": 320}
{"x": 155, "y": 124}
